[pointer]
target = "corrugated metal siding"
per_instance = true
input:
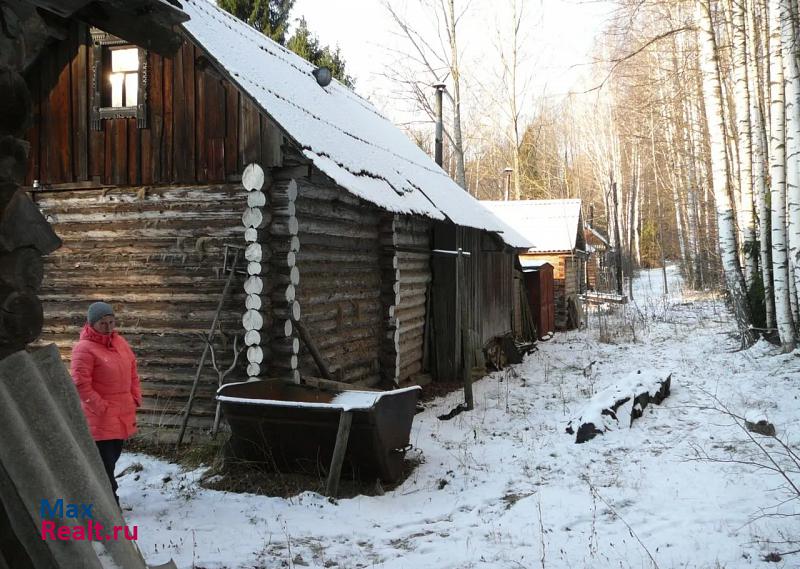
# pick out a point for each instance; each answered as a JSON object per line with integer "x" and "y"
{"x": 156, "y": 254}
{"x": 415, "y": 277}
{"x": 340, "y": 281}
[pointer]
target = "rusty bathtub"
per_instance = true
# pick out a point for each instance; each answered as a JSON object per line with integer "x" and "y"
{"x": 293, "y": 427}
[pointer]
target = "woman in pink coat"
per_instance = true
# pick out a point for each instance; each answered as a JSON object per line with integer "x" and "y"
{"x": 104, "y": 371}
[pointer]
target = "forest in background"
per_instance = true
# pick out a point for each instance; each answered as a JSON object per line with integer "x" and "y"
{"x": 683, "y": 137}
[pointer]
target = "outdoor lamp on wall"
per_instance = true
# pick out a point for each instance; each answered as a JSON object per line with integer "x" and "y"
{"x": 323, "y": 76}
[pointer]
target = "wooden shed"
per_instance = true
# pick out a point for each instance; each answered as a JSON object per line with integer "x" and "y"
{"x": 599, "y": 271}
{"x": 138, "y": 161}
{"x": 555, "y": 227}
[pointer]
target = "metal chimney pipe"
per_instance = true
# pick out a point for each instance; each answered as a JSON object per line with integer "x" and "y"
{"x": 439, "y": 124}
{"x": 508, "y": 170}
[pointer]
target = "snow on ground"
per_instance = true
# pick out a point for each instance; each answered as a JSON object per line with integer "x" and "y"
{"x": 505, "y": 486}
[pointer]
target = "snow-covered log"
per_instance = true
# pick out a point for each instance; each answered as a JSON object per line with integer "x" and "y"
{"x": 619, "y": 405}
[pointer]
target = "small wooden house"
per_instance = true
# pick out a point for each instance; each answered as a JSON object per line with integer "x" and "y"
{"x": 599, "y": 272}
{"x": 555, "y": 227}
{"x": 342, "y": 228}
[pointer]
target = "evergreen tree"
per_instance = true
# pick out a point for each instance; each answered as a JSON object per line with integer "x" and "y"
{"x": 270, "y": 17}
{"x": 306, "y": 44}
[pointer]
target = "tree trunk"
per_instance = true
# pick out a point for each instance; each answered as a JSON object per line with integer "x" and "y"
{"x": 758, "y": 136}
{"x": 742, "y": 101}
{"x": 461, "y": 178}
{"x": 712, "y": 96}
{"x": 792, "y": 82}
{"x": 780, "y": 260}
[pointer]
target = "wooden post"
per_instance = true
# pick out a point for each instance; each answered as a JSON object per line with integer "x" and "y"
{"x": 342, "y": 436}
{"x": 466, "y": 368}
{"x": 462, "y": 336}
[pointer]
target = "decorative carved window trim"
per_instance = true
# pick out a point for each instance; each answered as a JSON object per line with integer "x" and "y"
{"x": 102, "y": 41}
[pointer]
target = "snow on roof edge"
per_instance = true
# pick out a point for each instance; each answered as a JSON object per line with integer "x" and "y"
{"x": 376, "y": 161}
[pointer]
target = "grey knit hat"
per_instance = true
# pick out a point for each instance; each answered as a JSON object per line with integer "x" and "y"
{"x": 97, "y": 310}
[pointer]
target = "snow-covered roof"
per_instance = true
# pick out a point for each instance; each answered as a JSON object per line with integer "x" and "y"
{"x": 532, "y": 264}
{"x": 550, "y": 225}
{"x": 600, "y": 237}
{"x": 342, "y": 133}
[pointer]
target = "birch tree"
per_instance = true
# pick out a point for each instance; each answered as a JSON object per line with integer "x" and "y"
{"x": 760, "y": 150}
{"x": 712, "y": 97}
{"x": 780, "y": 259}
{"x": 745, "y": 150}
{"x": 792, "y": 86}
{"x": 438, "y": 63}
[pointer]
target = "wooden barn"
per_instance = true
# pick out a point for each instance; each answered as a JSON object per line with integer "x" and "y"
{"x": 343, "y": 231}
{"x": 555, "y": 227}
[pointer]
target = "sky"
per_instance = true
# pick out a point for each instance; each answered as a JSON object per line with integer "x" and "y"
{"x": 558, "y": 34}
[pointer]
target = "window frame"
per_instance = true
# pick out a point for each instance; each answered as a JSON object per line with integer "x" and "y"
{"x": 102, "y": 43}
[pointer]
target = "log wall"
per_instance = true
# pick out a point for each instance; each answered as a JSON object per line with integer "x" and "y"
{"x": 156, "y": 255}
{"x": 414, "y": 264}
{"x": 340, "y": 284}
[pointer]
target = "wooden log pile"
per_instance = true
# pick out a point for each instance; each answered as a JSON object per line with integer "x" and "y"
{"x": 620, "y": 405}
{"x": 25, "y": 235}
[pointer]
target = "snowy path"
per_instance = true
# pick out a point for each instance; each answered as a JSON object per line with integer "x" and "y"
{"x": 504, "y": 486}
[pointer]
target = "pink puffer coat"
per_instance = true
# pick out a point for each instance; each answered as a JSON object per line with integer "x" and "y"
{"x": 104, "y": 371}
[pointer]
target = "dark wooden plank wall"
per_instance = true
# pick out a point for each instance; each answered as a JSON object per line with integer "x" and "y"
{"x": 201, "y": 129}
{"x": 496, "y": 289}
{"x": 156, "y": 255}
{"x": 340, "y": 280}
{"x": 415, "y": 277}
{"x": 486, "y": 288}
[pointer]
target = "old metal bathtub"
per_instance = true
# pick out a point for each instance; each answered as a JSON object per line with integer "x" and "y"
{"x": 293, "y": 427}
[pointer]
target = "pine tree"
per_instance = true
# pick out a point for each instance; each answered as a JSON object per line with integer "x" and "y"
{"x": 306, "y": 44}
{"x": 270, "y": 17}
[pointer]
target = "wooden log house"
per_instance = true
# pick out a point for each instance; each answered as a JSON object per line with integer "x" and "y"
{"x": 140, "y": 162}
{"x": 555, "y": 227}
